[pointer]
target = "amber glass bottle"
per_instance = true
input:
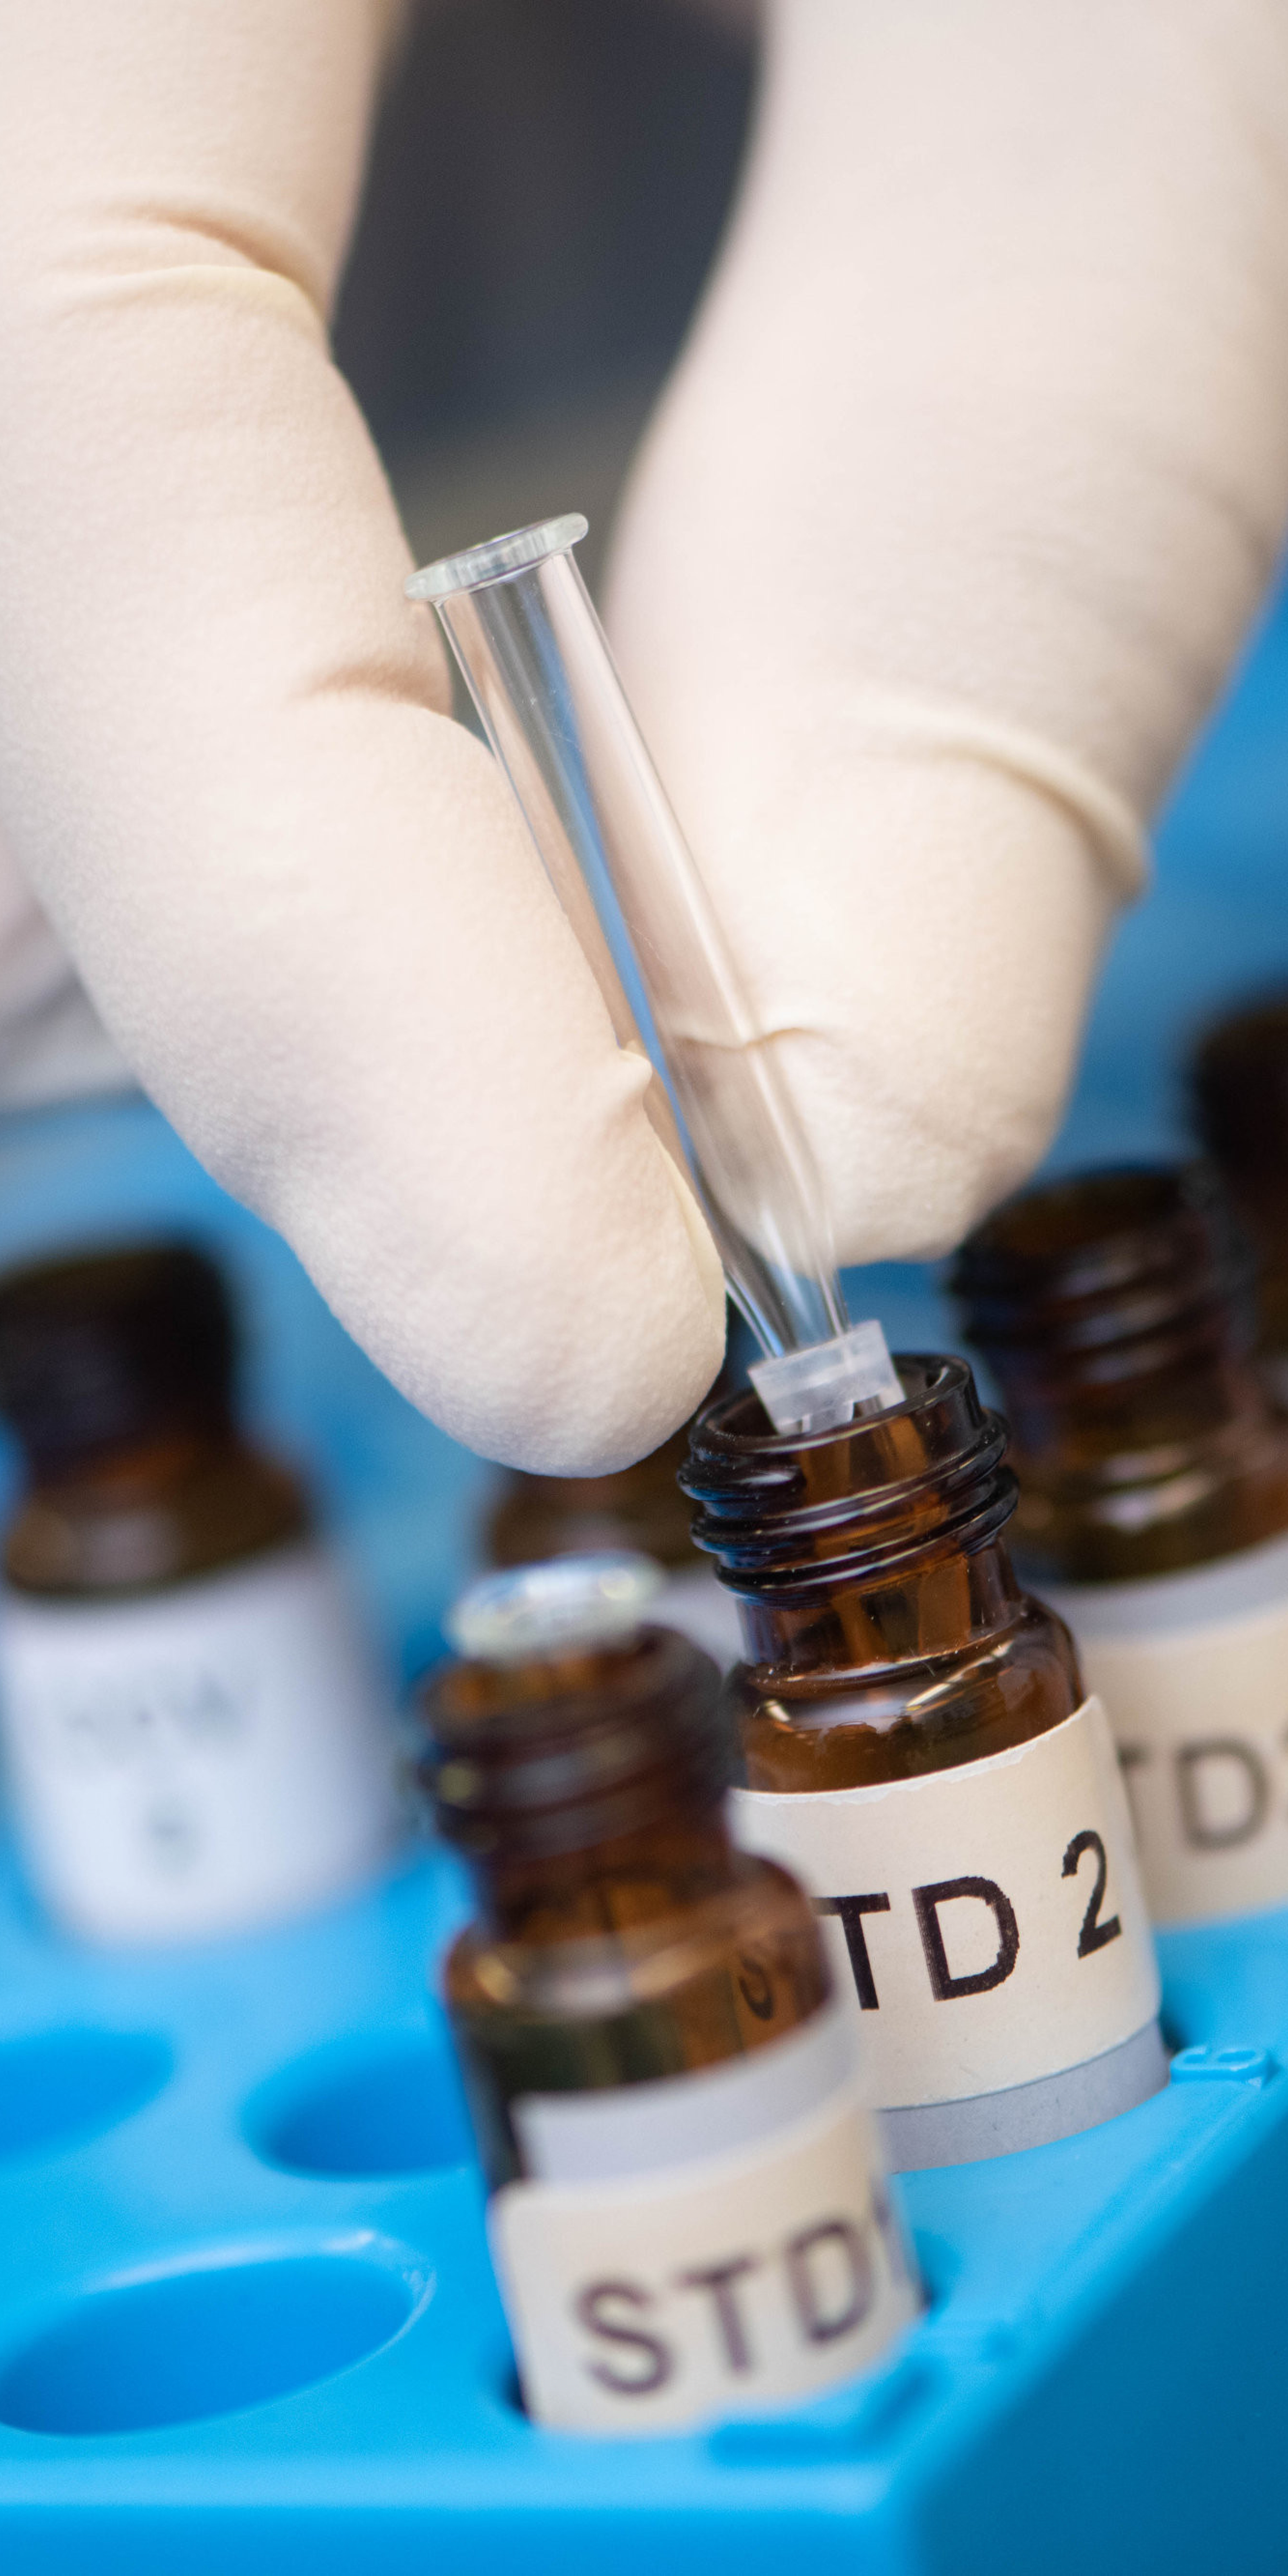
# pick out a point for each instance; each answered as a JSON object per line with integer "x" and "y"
{"x": 1240, "y": 1083}
{"x": 196, "y": 1734}
{"x": 916, "y": 1746}
{"x": 640, "y": 1508}
{"x": 1114, "y": 1309}
{"x": 116, "y": 1377}
{"x": 687, "y": 2216}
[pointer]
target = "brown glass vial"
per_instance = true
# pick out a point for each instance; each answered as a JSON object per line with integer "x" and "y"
{"x": 1240, "y": 1090}
{"x": 196, "y": 1733}
{"x": 116, "y": 1374}
{"x": 640, "y": 1508}
{"x": 1114, "y": 1309}
{"x": 915, "y": 1745}
{"x": 687, "y": 2212}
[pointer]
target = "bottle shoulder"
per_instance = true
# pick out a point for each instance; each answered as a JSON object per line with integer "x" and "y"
{"x": 1154, "y": 1517}
{"x": 154, "y": 1519}
{"x": 696, "y": 1988}
{"x": 728, "y": 1969}
{"x": 843, "y": 1730}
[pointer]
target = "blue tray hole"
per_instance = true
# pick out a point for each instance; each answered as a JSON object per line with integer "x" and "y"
{"x": 202, "y": 2342}
{"x": 362, "y": 2107}
{"x": 60, "y": 2087}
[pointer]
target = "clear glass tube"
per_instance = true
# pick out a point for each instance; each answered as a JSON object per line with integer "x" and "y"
{"x": 521, "y": 625}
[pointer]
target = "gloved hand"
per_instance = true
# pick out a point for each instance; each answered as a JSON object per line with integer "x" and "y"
{"x": 954, "y": 514}
{"x": 980, "y": 459}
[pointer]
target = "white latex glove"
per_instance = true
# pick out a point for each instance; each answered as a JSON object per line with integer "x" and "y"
{"x": 986, "y": 405}
{"x": 956, "y": 510}
{"x": 304, "y": 904}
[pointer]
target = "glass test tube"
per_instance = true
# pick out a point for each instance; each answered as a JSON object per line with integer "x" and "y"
{"x": 520, "y": 622}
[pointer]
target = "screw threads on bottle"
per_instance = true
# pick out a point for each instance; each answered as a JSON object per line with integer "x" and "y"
{"x": 556, "y": 1756}
{"x": 789, "y": 1515}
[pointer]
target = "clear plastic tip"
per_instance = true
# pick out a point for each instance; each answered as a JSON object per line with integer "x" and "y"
{"x": 820, "y": 1388}
{"x": 520, "y": 622}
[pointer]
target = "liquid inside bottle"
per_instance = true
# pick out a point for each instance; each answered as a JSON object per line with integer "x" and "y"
{"x": 918, "y": 1746}
{"x": 1115, "y": 1311}
{"x": 197, "y": 1736}
{"x": 688, "y": 2215}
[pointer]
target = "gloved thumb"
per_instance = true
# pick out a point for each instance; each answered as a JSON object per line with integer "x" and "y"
{"x": 299, "y": 895}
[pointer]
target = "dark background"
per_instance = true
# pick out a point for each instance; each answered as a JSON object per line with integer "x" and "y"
{"x": 547, "y": 188}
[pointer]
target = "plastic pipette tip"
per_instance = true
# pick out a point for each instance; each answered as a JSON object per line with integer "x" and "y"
{"x": 827, "y": 1385}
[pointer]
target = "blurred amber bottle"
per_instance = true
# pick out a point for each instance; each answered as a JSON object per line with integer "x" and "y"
{"x": 196, "y": 1732}
{"x": 1240, "y": 1086}
{"x": 687, "y": 2212}
{"x": 917, "y": 1746}
{"x": 1115, "y": 1311}
{"x": 640, "y": 1508}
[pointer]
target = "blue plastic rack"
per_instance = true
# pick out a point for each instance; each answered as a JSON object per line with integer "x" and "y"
{"x": 247, "y": 2320}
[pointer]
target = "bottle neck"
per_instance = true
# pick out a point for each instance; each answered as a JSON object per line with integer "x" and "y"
{"x": 117, "y": 1475}
{"x": 1168, "y": 1411}
{"x": 858, "y": 1550}
{"x": 607, "y": 1888}
{"x": 1240, "y": 1087}
{"x": 583, "y": 1789}
{"x": 1114, "y": 1312}
{"x": 161, "y": 1510}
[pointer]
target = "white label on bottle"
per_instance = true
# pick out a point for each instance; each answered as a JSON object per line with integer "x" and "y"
{"x": 988, "y": 1920}
{"x": 1193, "y": 1671}
{"x": 664, "y": 2289}
{"x": 199, "y": 1759}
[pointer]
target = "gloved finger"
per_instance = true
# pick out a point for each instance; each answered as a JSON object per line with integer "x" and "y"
{"x": 963, "y": 496}
{"x": 300, "y": 897}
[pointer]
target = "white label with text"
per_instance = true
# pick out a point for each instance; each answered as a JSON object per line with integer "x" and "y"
{"x": 192, "y": 1760}
{"x": 988, "y": 1920}
{"x": 1193, "y": 1672}
{"x": 649, "y": 2289}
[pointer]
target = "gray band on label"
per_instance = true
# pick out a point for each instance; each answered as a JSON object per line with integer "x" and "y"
{"x": 737, "y": 2281}
{"x": 1248, "y": 1585}
{"x": 640, "y": 2128}
{"x": 1026, "y": 2115}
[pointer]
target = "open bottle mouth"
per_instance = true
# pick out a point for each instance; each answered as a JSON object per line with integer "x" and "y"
{"x": 788, "y": 1512}
{"x": 498, "y": 559}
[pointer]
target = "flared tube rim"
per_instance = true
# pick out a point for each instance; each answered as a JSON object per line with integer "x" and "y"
{"x": 499, "y": 559}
